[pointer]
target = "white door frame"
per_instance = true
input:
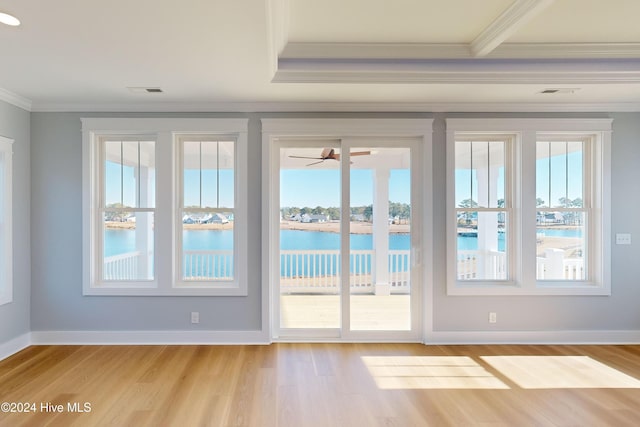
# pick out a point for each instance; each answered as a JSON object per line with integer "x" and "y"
{"x": 273, "y": 130}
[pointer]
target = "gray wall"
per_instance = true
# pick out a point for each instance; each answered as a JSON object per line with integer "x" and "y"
{"x": 14, "y": 317}
{"x": 58, "y": 304}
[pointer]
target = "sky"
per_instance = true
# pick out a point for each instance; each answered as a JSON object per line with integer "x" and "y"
{"x": 467, "y": 183}
{"x": 321, "y": 187}
{"x": 114, "y": 190}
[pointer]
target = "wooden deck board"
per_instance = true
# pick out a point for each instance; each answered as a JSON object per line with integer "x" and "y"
{"x": 368, "y": 312}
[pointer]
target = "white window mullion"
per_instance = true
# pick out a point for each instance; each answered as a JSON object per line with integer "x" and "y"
{"x": 164, "y": 211}
{"x": 600, "y": 200}
{"x": 525, "y": 211}
{"x": 345, "y": 225}
{"x": 451, "y": 211}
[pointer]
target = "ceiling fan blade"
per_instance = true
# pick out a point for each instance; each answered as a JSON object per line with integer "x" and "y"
{"x": 315, "y": 163}
{"x": 360, "y": 153}
{"x": 303, "y": 157}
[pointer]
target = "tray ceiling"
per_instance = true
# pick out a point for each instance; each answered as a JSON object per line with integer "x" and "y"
{"x": 286, "y": 55}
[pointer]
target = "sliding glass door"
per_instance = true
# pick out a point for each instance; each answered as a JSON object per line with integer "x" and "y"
{"x": 349, "y": 227}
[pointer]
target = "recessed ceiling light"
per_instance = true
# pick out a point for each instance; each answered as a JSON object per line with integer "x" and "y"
{"x": 145, "y": 89}
{"x": 5, "y": 18}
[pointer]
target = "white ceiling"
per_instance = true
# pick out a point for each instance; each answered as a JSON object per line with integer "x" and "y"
{"x": 356, "y": 55}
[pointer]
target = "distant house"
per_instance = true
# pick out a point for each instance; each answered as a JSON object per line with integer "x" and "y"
{"x": 306, "y": 218}
{"x": 295, "y": 217}
{"x": 551, "y": 218}
{"x": 217, "y": 219}
{"x": 187, "y": 220}
{"x": 358, "y": 217}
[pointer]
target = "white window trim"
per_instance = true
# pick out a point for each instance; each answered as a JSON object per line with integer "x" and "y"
{"x": 510, "y": 141}
{"x": 347, "y": 129}
{"x": 179, "y": 185}
{"x": 526, "y": 133}
{"x": 6, "y": 275}
{"x": 164, "y": 130}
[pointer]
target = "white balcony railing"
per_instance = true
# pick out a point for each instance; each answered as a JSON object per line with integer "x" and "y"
{"x": 121, "y": 267}
{"x": 309, "y": 271}
{"x": 492, "y": 265}
{"x": 570, "y": 269}
{"x": 489, "y": 265}
{"x": 207, "y": 265}
{"x": 301, "y": 271}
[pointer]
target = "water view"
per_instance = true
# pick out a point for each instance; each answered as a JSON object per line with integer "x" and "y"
{"x": 121, "y": 241}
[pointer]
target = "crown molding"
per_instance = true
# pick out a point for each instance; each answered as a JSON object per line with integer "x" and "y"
{"x": 570, "y": 72}
{"x": 505, "y": 25}
{"x": 343, "y": 107}
{"x": 15, "y": 99}
{"x": 442, "y": 51}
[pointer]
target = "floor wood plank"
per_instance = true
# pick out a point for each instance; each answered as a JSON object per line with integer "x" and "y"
{"x": 325, "y": 384}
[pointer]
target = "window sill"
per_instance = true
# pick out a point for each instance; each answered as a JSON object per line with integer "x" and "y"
{"x": 541, "y": 289}
{"x": 155, "y": 291}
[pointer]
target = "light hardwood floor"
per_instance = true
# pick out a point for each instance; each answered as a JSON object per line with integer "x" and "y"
{"x": 300, "y": 384}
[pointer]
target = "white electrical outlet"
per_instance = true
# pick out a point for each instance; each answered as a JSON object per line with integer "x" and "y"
{"x": 493, "y": 317}
{"x": 195, "y": 317}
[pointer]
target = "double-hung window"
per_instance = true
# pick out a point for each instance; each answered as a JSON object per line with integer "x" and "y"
{"x": 528, "y": 209}
{"x": 562, "y": 211}
{"x": 127, "y": 208}
{"x": 6, "y": 284}
{"x": 206, "y": 209}
{"x": 165, "y": 206}
{"x": 483, "y": 207}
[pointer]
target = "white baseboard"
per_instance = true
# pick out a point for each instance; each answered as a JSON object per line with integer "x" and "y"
{"x": 148, "y": 337}
{"x": 533, "y": 337}
{"x": 13, "y": 346}
{"x": 261, "y": 338}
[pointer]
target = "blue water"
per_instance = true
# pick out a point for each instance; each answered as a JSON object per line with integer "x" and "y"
{"x": 122, "y": 241}
{"x": 558, "y": 232}
{"x": 118, "y": 241}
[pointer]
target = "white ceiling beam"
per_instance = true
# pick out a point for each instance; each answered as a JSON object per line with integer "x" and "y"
{"x": 396, "y": 51}
{"x": 278, "y": 18}
{"x": 505, "y": 25}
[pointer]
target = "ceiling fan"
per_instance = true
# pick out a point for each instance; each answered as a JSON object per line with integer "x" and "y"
{"x": 330, "y": 154}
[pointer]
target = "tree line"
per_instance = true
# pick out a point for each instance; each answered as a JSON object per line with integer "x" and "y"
{"x": 564, "y": 202}
{"x": 396, "y": 209}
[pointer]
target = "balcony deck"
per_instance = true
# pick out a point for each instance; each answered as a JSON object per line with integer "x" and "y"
{"x": 368, "y": 312}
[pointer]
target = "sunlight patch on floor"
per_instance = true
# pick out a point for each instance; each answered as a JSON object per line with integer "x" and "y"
{"x": 430, "y": 372}
{"x": 539, "y": 372}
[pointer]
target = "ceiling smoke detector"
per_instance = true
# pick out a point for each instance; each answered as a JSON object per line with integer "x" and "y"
{"x": 560, "y": 90}
{"x": 145, "y": 89}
